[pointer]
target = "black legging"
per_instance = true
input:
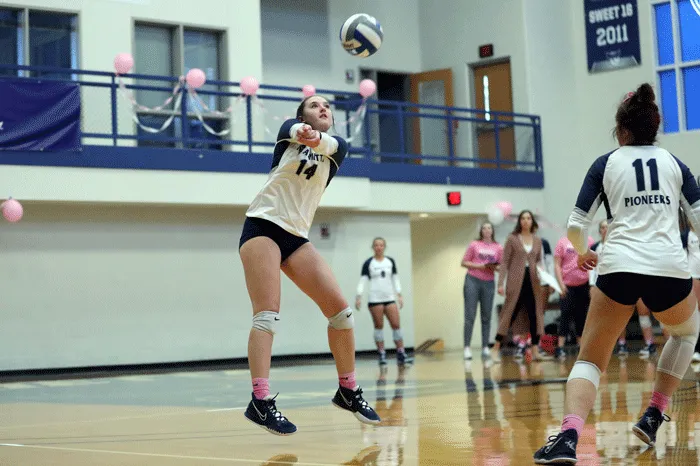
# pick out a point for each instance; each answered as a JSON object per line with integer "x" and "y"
{"x": 527, "y": 300}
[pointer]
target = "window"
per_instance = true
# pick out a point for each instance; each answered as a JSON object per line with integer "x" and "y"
{"x": 165, "y": 50}
{"x": 678, "y": 62}
{"x": 38, "y": 38}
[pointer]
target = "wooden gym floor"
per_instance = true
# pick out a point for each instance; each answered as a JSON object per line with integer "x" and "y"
{"x": 441, "y": 411}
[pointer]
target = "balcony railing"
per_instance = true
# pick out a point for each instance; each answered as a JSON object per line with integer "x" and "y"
{"x": 220, "y": 117}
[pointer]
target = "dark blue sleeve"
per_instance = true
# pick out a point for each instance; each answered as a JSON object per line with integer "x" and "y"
{"x": 546, "y": 247}
{"x": 589, "y": 197}
{"x": 282, "y": 141}
{"x": 286, "y": 128}
{"x": 690, "y": 189}
{"x": 342, "y": 151}
{"x": 393, "y": 266}
{"x": 365, "y": 267}
{"x": 337, "y": 157}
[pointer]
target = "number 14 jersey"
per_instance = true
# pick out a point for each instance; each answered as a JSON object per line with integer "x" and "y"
{"x": 642, "y": 188}
{"x": 297, "y": 180}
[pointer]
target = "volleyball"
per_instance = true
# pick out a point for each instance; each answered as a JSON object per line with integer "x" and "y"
{"x": 361, "y": 35}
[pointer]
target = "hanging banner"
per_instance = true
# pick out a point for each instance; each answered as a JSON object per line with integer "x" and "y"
{"x": 39, "y": 115}
{"x": 612, "y": 34}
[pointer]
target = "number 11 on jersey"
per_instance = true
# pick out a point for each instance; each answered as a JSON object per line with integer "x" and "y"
{"x": 653, "y": 173}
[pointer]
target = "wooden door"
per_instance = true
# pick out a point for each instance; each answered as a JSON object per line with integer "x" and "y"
{"x": 430, "y": 135}
{"x": 493, "y": 89}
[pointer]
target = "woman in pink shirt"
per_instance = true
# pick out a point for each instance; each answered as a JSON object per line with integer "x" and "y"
{"x": 481, "y": 260}
{"x": 575, "y": 291}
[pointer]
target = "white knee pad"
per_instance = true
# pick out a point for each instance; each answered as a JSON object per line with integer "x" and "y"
{"x": 678, "y": 350}
{"x": 379, "y": 335}
{"x": 342, "y": 320}
{"x": 586, "y": 370}
{"x": 266, "y": 321}
{"x": 398, "y": 336}
{"x": 645, "y": 321}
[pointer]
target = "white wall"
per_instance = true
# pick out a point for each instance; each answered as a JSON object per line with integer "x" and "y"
{"x": 300, "y": 45}
{"x": 438, "y": 279}
{"x": 67, "y": 184}
{"x": 87, "y": 284}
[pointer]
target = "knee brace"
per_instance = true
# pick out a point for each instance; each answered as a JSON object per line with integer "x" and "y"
{"x": 379, "y": 335}
{"x": 266, "y": 321}
{"x": 645, "y": 321}
{"x": 586, "y": 370}
{"x": 398, "y": 336}
{"x": 678, "y": 350}
{"x": 342, "y": 320}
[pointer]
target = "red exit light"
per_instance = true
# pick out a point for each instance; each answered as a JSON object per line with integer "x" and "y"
{"x": 454, "y": 198}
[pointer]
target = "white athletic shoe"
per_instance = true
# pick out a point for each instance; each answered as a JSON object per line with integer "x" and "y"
{"x": 486, "y": 352}
{"x": 696, "y": 357}
{"x": 467, "y": 353}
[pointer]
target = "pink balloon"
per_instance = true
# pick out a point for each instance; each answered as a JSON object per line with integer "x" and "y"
{"x": 505, "y": 207}
{"x": 367, "y": 88}
{"x": 123, "y": 63}
{"x": 12, "y": 210}
{"x": 249, "y": 85}
{"x": 308, "y": 90}
{"x": 195, "y": 78}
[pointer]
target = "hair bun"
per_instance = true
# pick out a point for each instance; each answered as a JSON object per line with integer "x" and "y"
{"x": 645, "y": 93}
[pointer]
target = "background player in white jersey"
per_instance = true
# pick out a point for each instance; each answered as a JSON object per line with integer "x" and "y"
{"x": 693, "y": 249}
{"x": 275, "y": 236}
{"x": 642, "y": 187}
{"x": 384, "y": 289}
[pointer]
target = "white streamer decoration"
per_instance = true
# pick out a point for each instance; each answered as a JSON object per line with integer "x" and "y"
{"x": 176, "y": 99}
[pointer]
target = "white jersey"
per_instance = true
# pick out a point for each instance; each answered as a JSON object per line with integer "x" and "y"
{"x": 593, "y": 274}
{"x": 297, "y": 180}
{"x": 547, "y": 262}
{"x": 642, "y": 188}
{"x": 383, "y": 280}
{"x": 694, "y": 254}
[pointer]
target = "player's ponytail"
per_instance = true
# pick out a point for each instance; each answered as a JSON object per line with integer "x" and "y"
{"x": 639, "y": 115}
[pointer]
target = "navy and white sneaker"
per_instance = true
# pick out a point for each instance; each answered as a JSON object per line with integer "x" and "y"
{"x": 559, "y": 353}
{"x": 351, "y": 400}
{"x": 264, "y": 413}
{"x": 402, "y": 358}
{"x": 519, "y": 353}
{"x": 560, "y": 449}
{"x": 645, "y": 429}
{"x": 382, "y": 359}
{"x": 622, "y": 349}
{"x": 647, "y": 351}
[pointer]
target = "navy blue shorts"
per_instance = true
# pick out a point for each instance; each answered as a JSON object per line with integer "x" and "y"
{"x": 287, "y": 242}
{"x": 382, "y": 303}
{"x": 658, "y": 293}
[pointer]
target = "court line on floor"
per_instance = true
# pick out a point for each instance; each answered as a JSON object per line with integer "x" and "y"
{"x": 158, "y": 455}
{"x": 120, "y": 418}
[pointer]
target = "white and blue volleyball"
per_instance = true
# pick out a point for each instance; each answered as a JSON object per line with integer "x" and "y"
{"x": 361, "y": 35}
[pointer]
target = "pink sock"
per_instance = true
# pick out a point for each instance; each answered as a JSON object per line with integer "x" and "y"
{"x": 261, "y": 388}
{"x": 400, "y": 350}
{"x": 649, "y": 342}
{"x": 659, "y": 401}
{"x": 621, "y": 341}
{"x": 347, "y": 380}
{"x": 572, "y": 421}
